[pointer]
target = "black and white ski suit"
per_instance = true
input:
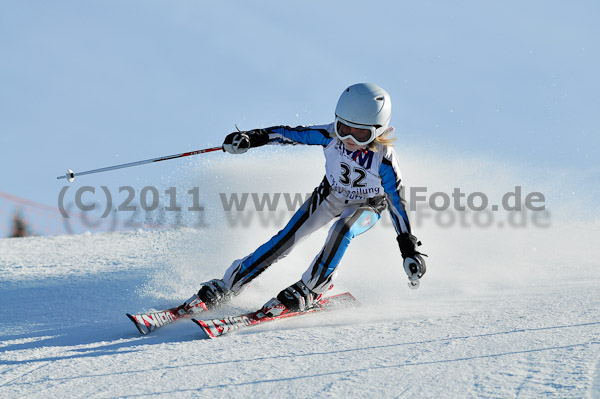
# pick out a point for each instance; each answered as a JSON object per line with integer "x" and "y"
{"x": 357, "y": 187}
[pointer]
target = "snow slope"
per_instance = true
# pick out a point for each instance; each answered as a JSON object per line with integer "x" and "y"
{"x": 501, "y": 312}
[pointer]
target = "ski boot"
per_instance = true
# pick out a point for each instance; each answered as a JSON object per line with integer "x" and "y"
{"x": 211, "y": 295}
{"x": 295, "y": 298}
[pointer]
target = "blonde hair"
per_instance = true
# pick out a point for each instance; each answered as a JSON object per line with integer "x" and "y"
{"x": 385, "y": 139}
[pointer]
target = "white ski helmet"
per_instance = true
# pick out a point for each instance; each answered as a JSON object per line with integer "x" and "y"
{"x": 364, "y": 106}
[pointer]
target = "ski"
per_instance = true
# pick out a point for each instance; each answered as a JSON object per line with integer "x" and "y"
{"x": 151, "y": 321}
{"x": 271, "y": 311}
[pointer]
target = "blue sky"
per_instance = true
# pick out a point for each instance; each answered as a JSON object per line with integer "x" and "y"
{"x": 97, "y": 83}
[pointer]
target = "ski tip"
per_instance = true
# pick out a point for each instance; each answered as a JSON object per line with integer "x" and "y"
{"x": 343, "y": 300}
{"x": 351, "y": 297}
{"x": 139, "y": 327}
{"x": 203, "y": 327}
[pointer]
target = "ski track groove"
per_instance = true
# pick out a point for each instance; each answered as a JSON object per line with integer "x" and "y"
{"x": 34, "y": 369}
{"x": 527, "y": 379}
{"x": 359, "y": 370}
{"x": 98, "y": 352}
{"x": 402, "y": 393}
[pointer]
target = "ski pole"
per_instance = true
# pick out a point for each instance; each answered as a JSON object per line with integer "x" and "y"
{"x": 70, "y": 175}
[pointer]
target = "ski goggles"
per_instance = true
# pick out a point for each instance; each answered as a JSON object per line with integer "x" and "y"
{"x": 360, "y": 134}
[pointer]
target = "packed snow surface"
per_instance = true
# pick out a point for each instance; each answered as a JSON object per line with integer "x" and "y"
{"x": 500, "y": 313}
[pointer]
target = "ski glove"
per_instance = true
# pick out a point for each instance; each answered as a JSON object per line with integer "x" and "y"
{"x": 237, "y": 143}
{"x": 415, "y": 269}
{"x": 240, "y": 142}
{"x": 414, "y": 264}
{"x": 408, "y": 244}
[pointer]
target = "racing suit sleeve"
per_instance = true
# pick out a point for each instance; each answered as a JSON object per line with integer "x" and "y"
{"x": 391, "y": 181}
{"x": 309, "y": 135}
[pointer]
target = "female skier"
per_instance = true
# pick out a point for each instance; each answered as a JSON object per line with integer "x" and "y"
{"x": 362, "y": 179}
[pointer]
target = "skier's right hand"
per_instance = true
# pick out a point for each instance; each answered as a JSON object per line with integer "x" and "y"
{"x": 236, "y": 143}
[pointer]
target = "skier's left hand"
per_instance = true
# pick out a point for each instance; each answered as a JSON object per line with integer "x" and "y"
{"x": 414, "y": 264}
{"x": 415, "y": 268}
